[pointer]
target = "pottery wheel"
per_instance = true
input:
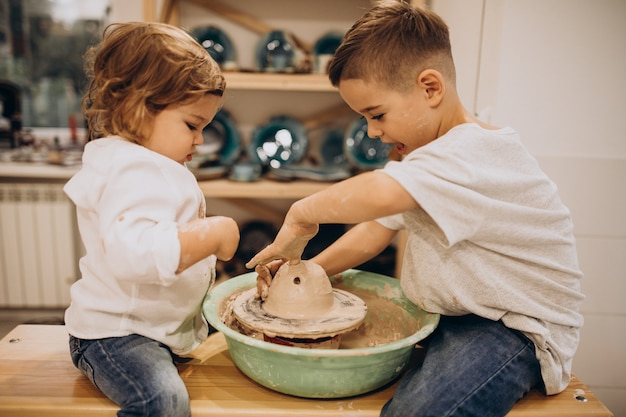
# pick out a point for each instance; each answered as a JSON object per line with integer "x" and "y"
{"x": 347, "y": 313}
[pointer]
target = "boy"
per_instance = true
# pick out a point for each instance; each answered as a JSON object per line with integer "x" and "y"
{"x": 490, "y": 244}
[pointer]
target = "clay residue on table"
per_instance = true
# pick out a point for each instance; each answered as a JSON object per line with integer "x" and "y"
{"x": 384, "y": 323}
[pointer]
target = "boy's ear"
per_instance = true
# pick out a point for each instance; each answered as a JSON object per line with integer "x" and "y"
{"x": 431, "y": 82}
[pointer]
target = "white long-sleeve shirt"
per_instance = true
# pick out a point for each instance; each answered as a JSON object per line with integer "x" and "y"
{"x": 492, "y": 238}
{"x": 130, "y": 202}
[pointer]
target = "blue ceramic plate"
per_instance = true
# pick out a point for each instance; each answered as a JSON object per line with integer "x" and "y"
{"x": 327, "y": 44}
{"x": 230, "y": 139}
{"x": 275, "y": 53}
{"x": 362, "y": 151}
{"x": 328, "y": 173}
{"x": 220, "y": 150}
{"x": 282, "y": 141}
{"x": 324, "y": 49}
{"x": 218, "y": 44}
{"x": 331, "y": 149}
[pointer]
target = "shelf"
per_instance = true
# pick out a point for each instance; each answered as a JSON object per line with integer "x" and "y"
{"x": 215, "y": 188}
{"x": 224, "y": 188}
{"x": 278, "y": 82}
{"x": 16, "y": 171}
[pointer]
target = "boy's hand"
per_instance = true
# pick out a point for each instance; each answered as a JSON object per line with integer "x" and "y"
{"x": 288, "y": 246}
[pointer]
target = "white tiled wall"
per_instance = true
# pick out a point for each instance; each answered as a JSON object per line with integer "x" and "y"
{"x": 594, "y": 189}
{"x": 556, "y": 74}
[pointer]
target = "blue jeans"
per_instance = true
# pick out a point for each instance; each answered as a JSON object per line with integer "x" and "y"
{"x": 135, "y": 372}
{"x": 472, "y": 367}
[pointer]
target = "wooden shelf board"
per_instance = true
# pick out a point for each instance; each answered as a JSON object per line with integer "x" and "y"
{"x": 224, "y": 188}
{"x": 278, "y": 82}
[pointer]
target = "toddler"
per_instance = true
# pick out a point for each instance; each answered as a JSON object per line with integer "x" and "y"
{"x": 150, "y": 251}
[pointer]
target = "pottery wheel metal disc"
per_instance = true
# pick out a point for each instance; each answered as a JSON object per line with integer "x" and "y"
{"x": 347, "y": 313}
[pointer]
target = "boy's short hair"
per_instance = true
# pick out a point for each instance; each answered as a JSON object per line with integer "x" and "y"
{"x": 138, "y": 70}
{"x": 392, "y": 44}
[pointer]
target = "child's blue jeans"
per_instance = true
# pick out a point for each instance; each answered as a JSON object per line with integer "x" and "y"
{"x": 135, "y": 372}
{"x": 472, "y": 367}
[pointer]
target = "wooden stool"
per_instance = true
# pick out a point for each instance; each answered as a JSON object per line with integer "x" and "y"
{"x": 37, "y": 378}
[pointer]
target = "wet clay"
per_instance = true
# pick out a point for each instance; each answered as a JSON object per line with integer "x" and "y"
{"x": 385, "y": 321}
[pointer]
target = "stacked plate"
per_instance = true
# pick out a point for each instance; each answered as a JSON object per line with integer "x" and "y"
{"x": 218, "y": 44}
{"x": 363, "y": 152}
{"x": 220, "y": 150}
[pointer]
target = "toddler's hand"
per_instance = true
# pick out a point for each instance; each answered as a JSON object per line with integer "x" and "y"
{"x": 265, "y": 275}
{"x": 216, "y": 235}
{"x": 228, "y": 235}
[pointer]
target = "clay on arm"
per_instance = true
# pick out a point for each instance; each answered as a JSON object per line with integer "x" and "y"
{"x": 216, "y": 235}
{"x": 356, "y": 246}
{"x": 358, "y": 199}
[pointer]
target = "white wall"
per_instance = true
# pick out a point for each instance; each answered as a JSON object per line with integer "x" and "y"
{"x": 555, "y": 70}
{"x": 126, "y": 11}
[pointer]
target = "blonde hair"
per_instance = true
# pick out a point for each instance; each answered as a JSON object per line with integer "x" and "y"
{"x": 392, "y": 44}
{"x": 140, "y": 69}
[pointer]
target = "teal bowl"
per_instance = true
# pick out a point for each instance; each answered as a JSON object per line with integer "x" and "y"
{"x": 329, "y": 373}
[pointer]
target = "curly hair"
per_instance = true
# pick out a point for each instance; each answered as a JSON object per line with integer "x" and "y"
{"x": 391, "y": 44}
{"x": 140, "y": 69}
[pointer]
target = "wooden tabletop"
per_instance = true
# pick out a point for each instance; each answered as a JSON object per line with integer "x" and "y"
{"x": 37, "y": 378}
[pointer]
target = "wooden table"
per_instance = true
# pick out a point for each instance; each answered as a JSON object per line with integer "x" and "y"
{"x": 37, "y": 379}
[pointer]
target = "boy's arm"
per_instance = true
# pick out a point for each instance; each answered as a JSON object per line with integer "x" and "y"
{"x": 364, "y": 197}
{"x": 358, "y": 199}
{"x": 356, "y": 246}
{"x": 216, "y": 235}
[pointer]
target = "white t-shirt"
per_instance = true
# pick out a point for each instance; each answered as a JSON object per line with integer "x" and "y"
{"x": 130, "y": 202}
{"x": 492, "y": 238}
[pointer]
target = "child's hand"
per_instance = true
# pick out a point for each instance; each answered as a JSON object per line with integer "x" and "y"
{"x": 200, "y": 238}
{"x": 265, "y": 275}
{"x": 288, "y": 246}
{"x": 228, "y": 235}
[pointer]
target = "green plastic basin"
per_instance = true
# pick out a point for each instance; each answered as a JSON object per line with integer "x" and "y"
{"x": 324, "y": 373}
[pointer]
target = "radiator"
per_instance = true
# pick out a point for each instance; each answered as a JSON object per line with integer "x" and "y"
{"x": 39, "y": 245}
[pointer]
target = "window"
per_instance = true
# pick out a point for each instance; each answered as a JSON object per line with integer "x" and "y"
{"x": 41, "y": 47}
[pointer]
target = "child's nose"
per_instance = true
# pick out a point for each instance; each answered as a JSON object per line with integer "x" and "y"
{"x": 373, "y": 131}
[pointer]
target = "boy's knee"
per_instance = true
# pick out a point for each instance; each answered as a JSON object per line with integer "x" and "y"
{"x": 172, "y": 401}
{"x": 169, "y": 401}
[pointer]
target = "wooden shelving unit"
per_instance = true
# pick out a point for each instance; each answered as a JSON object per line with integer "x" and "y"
{"x": 262, "y": 189}
{"x": 238, "y": 192}
{"x": 278, "y": 82}
{"x": 168, "y": 12}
